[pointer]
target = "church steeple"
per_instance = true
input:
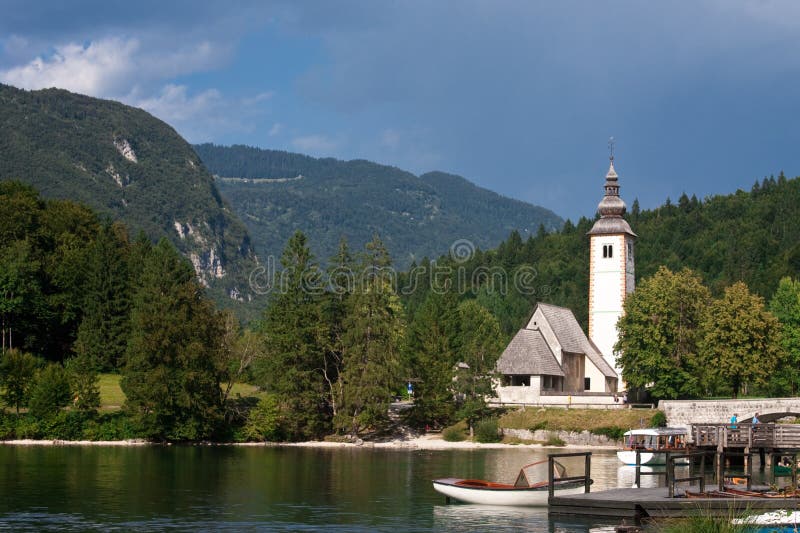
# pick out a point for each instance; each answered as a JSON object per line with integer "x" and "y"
{"x": 611, "y": 266}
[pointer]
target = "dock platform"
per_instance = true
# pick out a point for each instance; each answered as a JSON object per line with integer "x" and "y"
{"x": 655, "y": 503}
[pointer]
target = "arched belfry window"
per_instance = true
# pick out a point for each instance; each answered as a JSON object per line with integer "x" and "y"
{"x": 608, "y": 251}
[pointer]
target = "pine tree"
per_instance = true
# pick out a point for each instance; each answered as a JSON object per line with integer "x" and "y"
{"x": 432, "y": 353}
{"x": 104, "y": 330}
{"x": 480, "y": 344}
{"x": 373, "y": 331}
{"x": 296, "y": 341}
{"x": 174, "y": 363}
{"x": 341, "y": 282}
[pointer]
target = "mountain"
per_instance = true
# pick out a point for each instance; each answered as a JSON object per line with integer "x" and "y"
{"x": 130, "y": 166}
{"x": 276, "y": 193}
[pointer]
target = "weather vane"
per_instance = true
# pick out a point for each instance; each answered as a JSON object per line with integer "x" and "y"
{"x": 611, "y": 142}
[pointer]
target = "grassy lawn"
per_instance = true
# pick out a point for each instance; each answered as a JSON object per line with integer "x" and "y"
{"x": 111, "y": 395}
{"x": 576, "y": 419}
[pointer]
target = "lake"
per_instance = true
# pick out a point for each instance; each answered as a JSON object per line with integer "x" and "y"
{"x": 198, "y": 488}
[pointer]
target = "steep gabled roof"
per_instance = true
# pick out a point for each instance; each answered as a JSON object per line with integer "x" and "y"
{"x": 572, "y": 338}
{"x": 528, "y": 354}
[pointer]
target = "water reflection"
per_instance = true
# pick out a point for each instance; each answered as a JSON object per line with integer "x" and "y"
{"x": 180, "y": 488}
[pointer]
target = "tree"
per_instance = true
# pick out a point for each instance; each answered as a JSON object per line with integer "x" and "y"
{"x": 173, "y": 364}
{"x": 296, "y": 343}
{"x": 659, "y": 333}
{"x": 481, "y": 343}
{"x": 17, "y": 372}
{"x": 103, "y": 332}
{"x": 431, "y": 348}
{"x": 741, "y": 341}
{"x": 82, "y": 375}
{"x": 373, "y": 330}
{"x": 785, "y": 305}
{"x": 50, "y": 391}
{"x": 20, "y": 290}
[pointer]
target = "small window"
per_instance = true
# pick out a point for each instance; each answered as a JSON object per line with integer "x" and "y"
{"x": 587, "y": 383}
{"x": 608, "y": 251}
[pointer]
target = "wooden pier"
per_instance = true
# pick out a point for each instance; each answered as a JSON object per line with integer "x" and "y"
{"x": 664, "y": 502}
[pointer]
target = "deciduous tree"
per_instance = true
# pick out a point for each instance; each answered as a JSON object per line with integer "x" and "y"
{"x": 741, "y": 341}
{"x": 785, "y": 305}
{"x": 659, "y": 333}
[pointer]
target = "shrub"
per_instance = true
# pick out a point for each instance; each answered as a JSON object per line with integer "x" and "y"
{"x": 64, "y": 425}
{"x": 110, "y": 426}
{"x": 83, "y": 383}
{"x": 554, "y": 440}
{"x": 263, "y": 421}
{"x": 17, "y": 371}
{"x": 658, "y": 420}
{"x": 50, "y": 392}
{"x": 538, "y": 426}
{"x": 486, "y": 431}
{"x": 612, "y": 432}
{"x": 453, "y": 434}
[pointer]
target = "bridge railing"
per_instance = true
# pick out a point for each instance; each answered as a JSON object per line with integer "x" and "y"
{"x": 747, "y": 435}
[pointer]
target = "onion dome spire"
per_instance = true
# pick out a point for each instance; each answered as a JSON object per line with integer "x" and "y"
{"x": 611, "y": 207}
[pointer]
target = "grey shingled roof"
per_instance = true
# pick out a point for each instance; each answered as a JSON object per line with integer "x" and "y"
{"x": 611, "y": 226}
{"x": 572, "y": 338}
{"x": 528, "y": 354}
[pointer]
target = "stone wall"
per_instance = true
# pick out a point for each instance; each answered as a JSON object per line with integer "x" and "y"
{"x": 583, "y": 438}
{"x": 686, "y": 412}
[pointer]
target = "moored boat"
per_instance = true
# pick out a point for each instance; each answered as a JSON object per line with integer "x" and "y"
{"x": 531, "y": 487}
{"x": 652, "y": 445}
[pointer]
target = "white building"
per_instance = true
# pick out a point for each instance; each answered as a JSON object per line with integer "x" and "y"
{"x": 551, "y": 360}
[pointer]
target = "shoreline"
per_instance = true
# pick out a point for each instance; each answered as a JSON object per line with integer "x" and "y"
{"x": 424, "y": 442}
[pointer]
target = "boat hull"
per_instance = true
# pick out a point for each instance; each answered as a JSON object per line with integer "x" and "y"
{"x": 628, "y": 457}
{"x": 497, "y": 494}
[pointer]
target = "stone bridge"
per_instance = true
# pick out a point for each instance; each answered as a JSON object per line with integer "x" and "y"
{"x": 686, "y": 412}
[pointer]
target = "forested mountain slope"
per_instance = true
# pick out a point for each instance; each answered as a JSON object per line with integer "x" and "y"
{"x": 125, "y": 163}
{"x": 745, "y": 236}
{"x": 276, "y": 193}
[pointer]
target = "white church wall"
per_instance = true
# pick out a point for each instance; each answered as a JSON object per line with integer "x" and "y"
{"x": 597, "y": 381}
{"x": 539, "y": 322}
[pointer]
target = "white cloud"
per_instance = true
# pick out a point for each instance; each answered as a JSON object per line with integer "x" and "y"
{"x": 100, "y": 68}
{"x": 275, "y": 129}
{"x": 112, "y": 67}
{"x": 315, "y": 144}
{"x": 174, "y": 105}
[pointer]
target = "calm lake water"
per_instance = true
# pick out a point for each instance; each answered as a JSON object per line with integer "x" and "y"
{"x": 193, "y": 488}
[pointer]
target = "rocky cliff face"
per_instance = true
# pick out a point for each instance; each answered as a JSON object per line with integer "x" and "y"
{"x": 126, "y": 163}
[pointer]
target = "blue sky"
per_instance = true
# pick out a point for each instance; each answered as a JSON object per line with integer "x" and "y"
{"x": 518, "y": 96}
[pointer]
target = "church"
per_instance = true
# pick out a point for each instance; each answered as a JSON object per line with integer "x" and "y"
{"x": 551, "y": 361}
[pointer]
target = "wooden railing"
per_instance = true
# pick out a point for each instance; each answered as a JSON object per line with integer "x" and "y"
{"x": 587, "y": 470}
{"x": 747, "y": 435}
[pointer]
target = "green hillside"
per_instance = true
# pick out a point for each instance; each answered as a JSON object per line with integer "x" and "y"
{"x": 276, "y": 193}
{"x": 128, "y": 165}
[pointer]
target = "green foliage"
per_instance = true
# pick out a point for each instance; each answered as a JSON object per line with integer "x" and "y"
{"x": 110, "y": 427}
{"x": 276, "y": 193}
{"x": 487, "y": 431}
{"x": 431, "y": 355}
{"x": 50, "y": 392}
{"x": 371, "y": 357}
{"x": 659, "y": 333}
{"x": 296, "y": 337}
{"x": 554, "y": 440}
{"x": 741, "y": 344}
{"x": 17, "y": 373}
{"x": 454, "y": 434}
{"x": 659, "y": 419}
{"x": 785, "y": 305}
{"x": 83, "y": 383}
{"x": 480, "y": 344}
{"x": 103, "y": 333}
{"x": 174, "y": 362}
{"x": 263, "y": 421}
{"x": 612, "y": 432}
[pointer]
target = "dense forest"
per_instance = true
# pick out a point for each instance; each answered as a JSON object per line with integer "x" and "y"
{"x": 276, "y": 193}
{"x": 125, "y": 163}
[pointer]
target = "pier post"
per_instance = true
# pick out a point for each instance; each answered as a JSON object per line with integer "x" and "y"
{"x": 719, "y": 460}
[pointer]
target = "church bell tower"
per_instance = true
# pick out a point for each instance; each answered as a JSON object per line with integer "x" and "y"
{"x": 611, "y": 274}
